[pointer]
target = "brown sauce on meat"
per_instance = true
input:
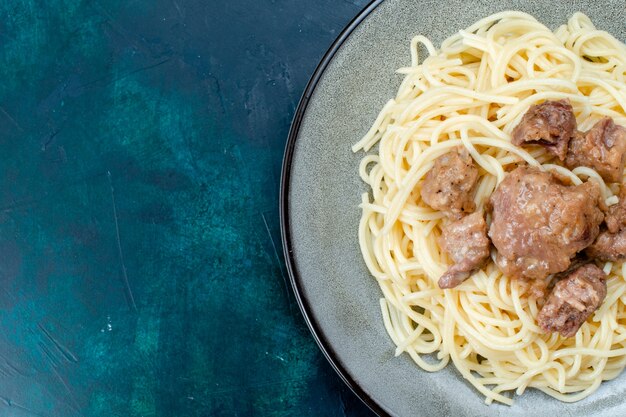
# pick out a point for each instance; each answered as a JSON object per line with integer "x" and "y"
{"x": 467, "y": 244}
{"x": 572, "y": 300}
{"x": 539, "y": 224}
{"x": 449, "y": 185}
{"x": 615, "y": 218}
{"x": 602, "y": 148}
{"x": 608, "y": 246}
{"x": 551, "y": 124}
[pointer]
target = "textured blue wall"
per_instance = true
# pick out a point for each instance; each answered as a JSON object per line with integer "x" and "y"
{"x": 141, "y": 272}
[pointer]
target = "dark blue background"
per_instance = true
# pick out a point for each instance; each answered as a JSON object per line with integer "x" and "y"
{"x": 141, "y": 269}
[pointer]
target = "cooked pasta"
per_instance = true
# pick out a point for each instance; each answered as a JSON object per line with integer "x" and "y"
{"x": 472, "y": 92}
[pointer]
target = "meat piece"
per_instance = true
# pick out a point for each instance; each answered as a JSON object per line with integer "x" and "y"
{"x": 551, "y": 124}
{"x": 608, "y": 246}
{"x": 538, "y": 224}
{"x": 615, "y": 218}
{"x": 540, "y": 288}
{"x": 602, "y": 148}
{"x": 467, "y": 244}
{"x": 450, "y": 183}
{"x": 572, "y": 301}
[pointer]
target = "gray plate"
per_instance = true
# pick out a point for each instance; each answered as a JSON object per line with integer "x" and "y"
{"x": 321, "y": 191}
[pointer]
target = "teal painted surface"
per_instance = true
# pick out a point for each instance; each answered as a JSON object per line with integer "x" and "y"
{"x": 141, "y": 272}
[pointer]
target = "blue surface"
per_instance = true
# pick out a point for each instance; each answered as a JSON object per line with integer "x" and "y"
{"x": 140, "y": 262}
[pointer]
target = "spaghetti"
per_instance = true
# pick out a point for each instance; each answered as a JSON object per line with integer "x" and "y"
{"x": 472, "y": 92}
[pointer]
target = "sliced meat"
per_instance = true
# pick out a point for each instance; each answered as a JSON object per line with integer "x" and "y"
{"x": 615, "y": 218}
{"x": 449, "y": 185}
{"x": 608, "y": 246}
{"x": 602, "y": 148}
{"x": 572, "y": 301}
{"x": 551, "y": 124}
{"x": 538, "y": 224}
{"x": 467, "y": 244}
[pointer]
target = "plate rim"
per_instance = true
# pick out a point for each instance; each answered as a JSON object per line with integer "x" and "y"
{"x": 285, "y": 228}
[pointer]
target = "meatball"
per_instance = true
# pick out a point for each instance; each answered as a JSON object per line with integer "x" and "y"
{"x": 467, "y": 244}
{"x": 572, "y": 300}
{"x": 538, "y": 224}
{"x": 551, "y": 124}
{"x": 450, "y": 183}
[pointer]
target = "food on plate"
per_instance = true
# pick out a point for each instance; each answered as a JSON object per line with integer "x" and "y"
{"x": 449, "y": 185}
{"x": 615, "y": 217}
{"x": 495, "y": 217}
{"x": 572, "y": 300}
{"x": 538, "y": 224}
{"x": 610, "y": 247}
{"x": 551, "y": 124}
{"x": 602, "y": 148}
{"x": 466, "y": 241}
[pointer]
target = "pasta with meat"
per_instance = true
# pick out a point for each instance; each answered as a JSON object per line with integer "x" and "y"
{"x": 459, "y": 110}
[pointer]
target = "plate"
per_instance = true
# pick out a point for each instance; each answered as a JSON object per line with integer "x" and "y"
{"x": 320, "y": 194}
